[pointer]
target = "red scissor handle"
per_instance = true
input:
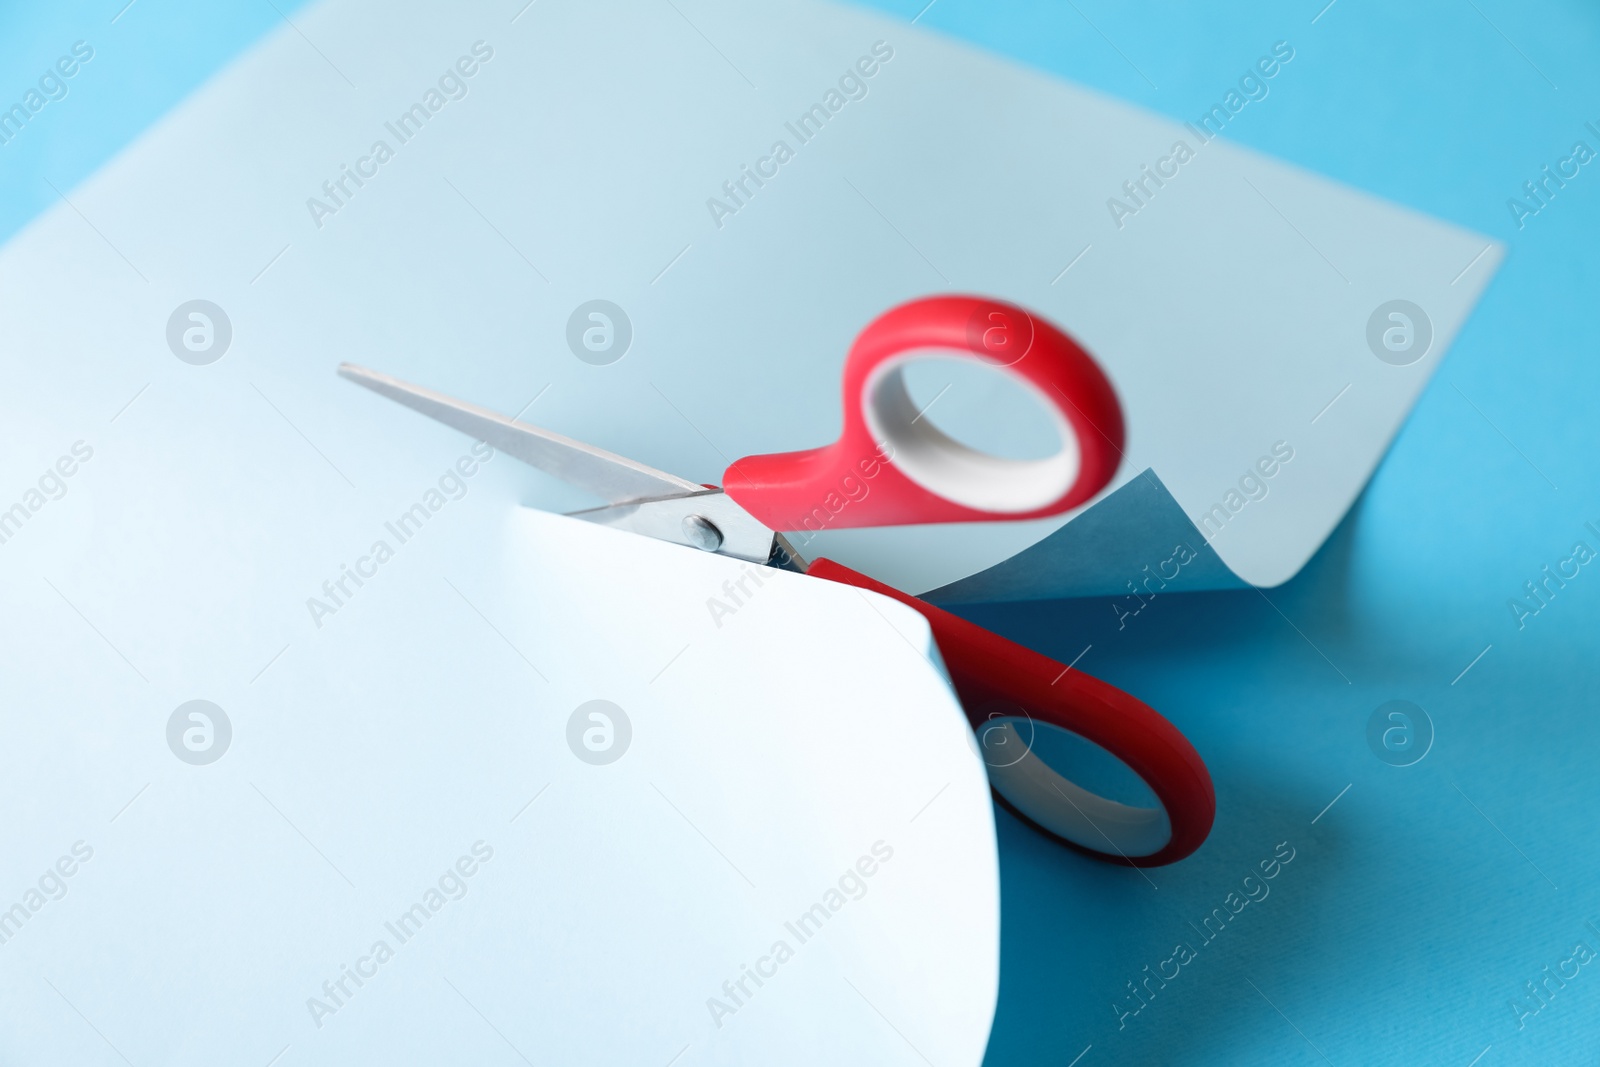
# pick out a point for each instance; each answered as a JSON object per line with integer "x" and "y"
{"x": 892, "y": 467}
{"x": 1007, "y": 690}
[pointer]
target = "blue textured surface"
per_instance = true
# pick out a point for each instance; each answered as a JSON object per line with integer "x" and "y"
{"x": 147, "y": 57}
{"x": 1417, "y": 906}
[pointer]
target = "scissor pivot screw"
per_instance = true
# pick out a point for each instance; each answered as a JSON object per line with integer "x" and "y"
{"x": 702, "y": 533}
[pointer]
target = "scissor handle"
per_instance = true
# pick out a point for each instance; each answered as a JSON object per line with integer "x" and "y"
{"x": 1007, "y": 690}
{"x": 891, "y": 466}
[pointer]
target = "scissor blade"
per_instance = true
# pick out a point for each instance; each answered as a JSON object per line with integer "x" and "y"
{"x": 608, "y": 476}
{"x": 709, "y": 520}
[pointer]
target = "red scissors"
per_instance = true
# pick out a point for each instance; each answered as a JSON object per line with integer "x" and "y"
{"x": 891, "y": 467}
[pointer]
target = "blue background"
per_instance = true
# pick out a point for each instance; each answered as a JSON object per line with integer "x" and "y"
{"x": 1417, "y": 906}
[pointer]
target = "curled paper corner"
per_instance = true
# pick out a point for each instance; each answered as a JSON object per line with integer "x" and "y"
{"x": 1137, "y": 537}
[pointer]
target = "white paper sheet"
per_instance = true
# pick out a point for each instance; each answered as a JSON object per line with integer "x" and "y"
{"x": 784, "y": 759}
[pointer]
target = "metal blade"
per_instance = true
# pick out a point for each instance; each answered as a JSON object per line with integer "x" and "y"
{"x": 708, "y": 520}
{"x": 610, "y": 477}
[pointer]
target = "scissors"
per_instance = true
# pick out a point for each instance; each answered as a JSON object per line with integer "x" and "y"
{"x": 890, "y": 466}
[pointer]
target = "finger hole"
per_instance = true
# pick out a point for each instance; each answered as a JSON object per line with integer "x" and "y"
{"x": 1066, "y": 784}
{"x": 954, "y": 470}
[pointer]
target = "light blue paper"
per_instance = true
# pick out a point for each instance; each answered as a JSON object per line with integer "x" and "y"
{"x": 1229, "y": 313}
{"x": 1138, "y": 532}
